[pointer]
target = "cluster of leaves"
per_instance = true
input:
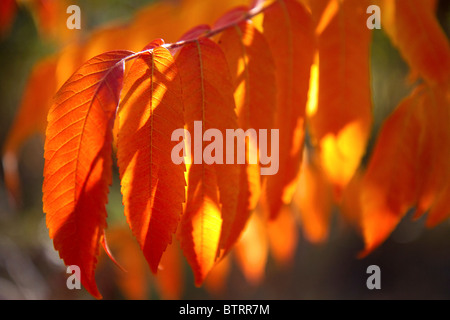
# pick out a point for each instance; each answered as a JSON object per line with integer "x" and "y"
{"x": 297, "y": 66}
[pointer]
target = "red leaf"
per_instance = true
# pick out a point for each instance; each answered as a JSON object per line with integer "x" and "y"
{"x": 7, "y": 14}
{"x": 409, "y": 166}
{"x": 340, "y": 123}
{"x": 283, "y": 236}
{"x": 252, "y": 250}
{"x": 253, "y": 74}
{"x": 389, "y": 184}
{"x": 134, "y": 281}
{"x": 152, "y": 185}
{"x": 415, "y": 30}
{"x": 289, "y": 31}
{"x": 212, "y": 188}
{"x": 313, "y": 198}
{"x": 78, "y": 162}
{"x": 170, "y": 277}
{"x": 433, "y": 162}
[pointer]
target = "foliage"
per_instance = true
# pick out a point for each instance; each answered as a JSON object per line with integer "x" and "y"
{"x": 298, "y": 66}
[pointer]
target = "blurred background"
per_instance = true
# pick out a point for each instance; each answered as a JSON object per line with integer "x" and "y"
{"x": 414, "y": 261}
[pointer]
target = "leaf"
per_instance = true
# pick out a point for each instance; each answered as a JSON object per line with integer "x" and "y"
{"x": 414, "y": 29}
{"x": 77, "y": 168}
{"x": 169, "y": 20}
{"x": 196, "y": 32}
{"x": 313, "y": 199}
{"x": 323, "y": 13}
{"x": 388, "y": 187}
{"x": 30, "y": 119}
{"x": 283, "y": 236}
{"x": 113, "y": 37}
{"x": 134, "y": 282}
{"x": 212, "y": 189}
{"x": 207, "y": 11}
{"x": 217, "y": 279}
{"x": 340, "y": 123}
{"x": 433, "y": 161}
{"x": 409, "y": 166}
{"x": 51, "y": 19}
{"x": 441, "y": 208}
{"x": 252, "y": 249}
{"x": 289, "y": 32}
{"x": 350, "y": 204}
{"x": 230, "y": 20}
{"x": 70, "y": 58}
{"x": 253, "y": 76}
{"x": 170, "y": 276}
{"x": 152, "y": 184}
{"x": 8, "y": 10}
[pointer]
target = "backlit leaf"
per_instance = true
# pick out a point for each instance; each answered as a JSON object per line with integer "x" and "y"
{"x": 153, "y": 186}
{"x": 340, "y": 123}
{"x": 388, "y": 187}
{"x": 134, "y": 280}
{"x": 283, "y": 236}
{"x": 313, "y": 199}
{"x": 212, "y": 188}
{"x": 409, "y": 167}
{"x": 433, "y": 161}
{"x": 253, "y": 75}
{"x": 252, "y": 250}
{"x": 415, "y": 30}
{"x": 216, "y": 281}
{"x": 78, "y": 161}
{"x": 289, "y": 32}
{"x": 170, "y": 276}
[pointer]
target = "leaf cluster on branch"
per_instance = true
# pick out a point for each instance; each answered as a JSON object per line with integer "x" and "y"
{"x": 302, "y": 67}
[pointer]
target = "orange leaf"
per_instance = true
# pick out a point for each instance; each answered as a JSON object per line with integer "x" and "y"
{"x": 159, "y": 19}
{"x": 283, "y": 236}
{"x": 251, "y": 251}
{"x": 170, "y": 276}
{"x": 51, "y": 18}
{"x": 350, "y": 205}
{"x": 413, "y": 27}
{"x": 389, "y": 184}
{"x": 134, "y": 281}
{"x": 69, "y": 60}
{"x": 314, "y": 201}
{"x": 47, "y": 12}
{"x": 253, "y": 75}
{"x": 409, "y": 167}
{"x": 78, "y": 161}
{"x": 170, "y": 19}
{"x": 441, "y": 207}
{"x": 152, "y": 185}
{"x": 206, "y": 11}
{"x": 340, "y": 123}
{"x": 212, "y": 188}
{"x": 216, "y": 281}
{"x": 30, "y": 119}
{"x": 113, "y": 37}
{"x": 323, "y": 13}
{"x": 196, "y": 32}
{"x": 433, "y": 162}
{"x": 289, "y": 32}
{"x": 230, "y": 19}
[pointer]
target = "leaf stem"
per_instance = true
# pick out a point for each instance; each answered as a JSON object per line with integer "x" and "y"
{"x": 250, "y": 14}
